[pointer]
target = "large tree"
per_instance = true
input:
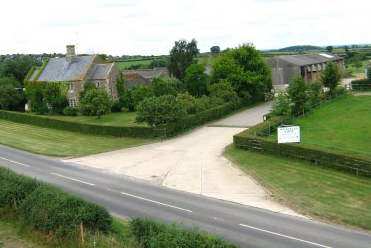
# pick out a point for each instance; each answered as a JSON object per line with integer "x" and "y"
{"x": 196, "y": 80}
{"x": 297, "y": 92}
{"x": 329, "y": 49}
{"x": 331, "y": 76}
{"x": 245, "y": 70}
{"x": 182, "y": 55}
{"x": 17, "y": 67}
{"x": 215, "y": 50}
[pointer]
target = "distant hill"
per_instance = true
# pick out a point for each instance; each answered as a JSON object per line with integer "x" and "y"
{"x": 299, "y": 48}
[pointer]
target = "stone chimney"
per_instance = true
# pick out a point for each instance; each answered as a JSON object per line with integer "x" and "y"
{"x": 70, "y": 51}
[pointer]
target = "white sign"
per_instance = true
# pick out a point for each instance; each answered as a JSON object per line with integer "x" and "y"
{"x": 288, "y": 134}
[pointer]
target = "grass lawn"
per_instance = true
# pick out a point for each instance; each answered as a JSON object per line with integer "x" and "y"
{"x": 112, "y": 119}
{"x": 322, "y": 193}
{"x": 60, "y": 143}
{"x": 341, "y": 126}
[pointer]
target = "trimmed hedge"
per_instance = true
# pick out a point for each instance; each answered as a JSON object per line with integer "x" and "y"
{"x": 361, "y": 84}
{"x": 48, "y": 209}
{"x": 348, "y": 163}
{"x": 154, "y": 234}
{"x": 142, "y": 132}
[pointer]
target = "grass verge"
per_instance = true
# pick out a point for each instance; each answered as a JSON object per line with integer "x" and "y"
{"x": 60, "y": 143}
{"x": 319, "y": 192}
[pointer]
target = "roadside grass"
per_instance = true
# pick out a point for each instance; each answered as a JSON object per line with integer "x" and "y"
{"x": 322, "y": 193}
{"x": 60, "y": 143}
{"x": 340, "y": 126}
{"x": 122, "y": 119}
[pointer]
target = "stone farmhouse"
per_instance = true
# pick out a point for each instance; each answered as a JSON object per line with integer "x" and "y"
{"x": 76, "y": 70}
{"x": 309, "y": 66}
{"x": 144, "y": 77}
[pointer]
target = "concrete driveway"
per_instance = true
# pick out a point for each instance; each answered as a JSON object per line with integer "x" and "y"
{"x": 193, "y": 163}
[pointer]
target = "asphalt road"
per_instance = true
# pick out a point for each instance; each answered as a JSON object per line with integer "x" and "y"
{"x": 127, "y": 197}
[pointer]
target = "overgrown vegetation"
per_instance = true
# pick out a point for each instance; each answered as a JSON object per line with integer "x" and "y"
{"x": 61, "y": 219}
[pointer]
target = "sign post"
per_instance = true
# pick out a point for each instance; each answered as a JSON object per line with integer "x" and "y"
{"x": 288, "y": 134}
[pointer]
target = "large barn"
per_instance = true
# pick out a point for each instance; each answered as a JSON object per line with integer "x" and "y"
{"x": 309, "y": 66}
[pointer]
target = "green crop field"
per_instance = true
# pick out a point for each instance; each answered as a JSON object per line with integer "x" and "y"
{"x": 341, "y": 126}
{"x": 112, "y": 119}
{"x": 321, "y": 193}
{"x": 60, "y": 143}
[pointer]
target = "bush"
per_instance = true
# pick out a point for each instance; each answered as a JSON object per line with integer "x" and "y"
{"x": 95, "y": 102}
{"x": 126, "y": 100}
{"x": 161, "y": 87}
{"x": 9, "y": 97}
{"x": 331, "y": 76}
{"x": 158, "y": 235}
{"x": 69, "y": 110}
{"x": 188, "y": 101}
{"x": 196, "y": 80}
{"x": 139, "y": 93}
{"x": 281, "y": 105}
{"x": 297, "y": 92}
{"x": 361, "y": 84}
{"x": 14, "y": 190}
{"x": 160, "y": 110}
{"x": 51, "y": 210}
{"x": 315, "y": 93}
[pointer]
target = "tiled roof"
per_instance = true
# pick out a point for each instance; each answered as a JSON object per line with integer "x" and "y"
{"x": 64, "y": 69}
{"x": 309, "y": 59}
{"x": 101, "y": 71}
{"x": 34, "y": 74}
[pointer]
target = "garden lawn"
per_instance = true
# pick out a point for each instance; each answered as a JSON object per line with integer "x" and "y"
{"x": 60, "y": 143}
{"x": 322, "y": 193}
{"x": 113, "y": 119}
{"x": 341, "y": 126}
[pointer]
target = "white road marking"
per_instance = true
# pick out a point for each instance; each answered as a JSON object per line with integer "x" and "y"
{"x": 285, "y": 236}
{"x": 160, "y": 203}
{"x": 91, "y": 184}
{"x": 14, "y": 162}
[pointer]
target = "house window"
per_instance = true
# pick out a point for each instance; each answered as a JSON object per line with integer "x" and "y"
{"x": 72, "y": 102}
{"x": 70, "y": 87}
{"x": 97, "y": 84}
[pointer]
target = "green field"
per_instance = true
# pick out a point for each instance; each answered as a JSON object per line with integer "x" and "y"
{"x": 113, "y": 119}
{"x": 350, "y": 68}
{"x": 341, "y": 126}
{"x": 60, "y": 143}
{"x": 322, "y": 193}
{"x": 123, "y": 65}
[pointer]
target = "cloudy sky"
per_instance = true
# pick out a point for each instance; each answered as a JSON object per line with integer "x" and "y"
{"x": 147, "y": 27}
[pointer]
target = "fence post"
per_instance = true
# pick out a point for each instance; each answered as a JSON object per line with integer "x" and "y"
{"x": 82, "y": 233}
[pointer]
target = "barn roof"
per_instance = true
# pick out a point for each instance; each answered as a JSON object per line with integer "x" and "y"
{"x": 309, "y": 59}
{"x": 150, "y": 73}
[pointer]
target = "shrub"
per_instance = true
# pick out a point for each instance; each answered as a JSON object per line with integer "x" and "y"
{"x": 14, "y": 190}
{"x": 281, "y": 105}
{"x": 162, "y": 87}
{"x": 126, "y": 100}
{"x": 95, "y": 102}
{"x": 9, "y": 97}
{"x": 158, "y": 235}
{"x": 188, "y": 101}
{"x": 331, "y": 76}
{"x": 160, "y": 110}
{"x": 315, "y": 93}
{"x": 69, "y": 110}
{"x": 139, "y": 93}
{"x": 51, "y": 210}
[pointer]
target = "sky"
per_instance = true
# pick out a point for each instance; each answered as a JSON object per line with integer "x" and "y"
{"x": 145, "y": 27}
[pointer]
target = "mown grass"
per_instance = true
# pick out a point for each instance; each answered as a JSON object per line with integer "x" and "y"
{"x": 60, "y": 143}
{"x": 319, "y": 192}
{"x": 126, "y": 119}
{"x": 341, "y": 126}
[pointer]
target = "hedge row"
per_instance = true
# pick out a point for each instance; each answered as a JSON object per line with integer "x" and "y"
{"x": 48, "y": 209}
{"x": 153, "y": 234}
{"x": 142, "y": 132}
{"x": 361, "y": 84}
{"x": 348, "y": 163}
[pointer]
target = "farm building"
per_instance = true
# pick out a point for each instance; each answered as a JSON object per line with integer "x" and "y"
{"x": 309, "y": 66}
{"x": 75, "y": 71}
{"x": 144, "y": 76}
